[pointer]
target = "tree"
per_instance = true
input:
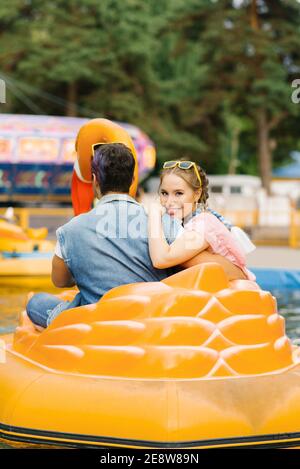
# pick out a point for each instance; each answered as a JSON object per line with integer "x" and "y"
{"x": 254, "y": 52}
{"x": 89, "y": 53}
{"x": 209, "y": 80}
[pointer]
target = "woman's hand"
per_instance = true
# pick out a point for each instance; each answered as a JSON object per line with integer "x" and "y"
{"x": 156, "y": 209}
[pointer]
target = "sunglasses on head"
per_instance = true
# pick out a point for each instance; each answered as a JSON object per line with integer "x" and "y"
{"x": 97, "y": 145}
{"x": 183, "y": 165}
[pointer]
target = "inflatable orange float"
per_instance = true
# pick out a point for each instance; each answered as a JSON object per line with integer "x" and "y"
{"x": 189, "y": 362}
{"x": 95, "y": 131}
{"x": 25, "y": 256}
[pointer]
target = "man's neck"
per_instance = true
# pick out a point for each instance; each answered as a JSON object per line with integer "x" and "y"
{"x": 115, "y": 192}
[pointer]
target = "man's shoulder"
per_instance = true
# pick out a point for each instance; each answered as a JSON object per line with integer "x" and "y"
{"x": 120, "y": 212}
{"x": 75, "y": 222}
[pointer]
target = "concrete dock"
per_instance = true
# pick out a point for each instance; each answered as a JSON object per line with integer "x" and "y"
{"x": 274, "y": 257}
{"x": 265, "y": 256}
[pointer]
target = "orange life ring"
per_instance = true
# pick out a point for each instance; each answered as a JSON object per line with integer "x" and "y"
{"x": 94, "y": 131}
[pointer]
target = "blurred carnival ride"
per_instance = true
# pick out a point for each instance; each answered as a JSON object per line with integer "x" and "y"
{"x": 25, "y": 256}
{"x": 37, "y": 156}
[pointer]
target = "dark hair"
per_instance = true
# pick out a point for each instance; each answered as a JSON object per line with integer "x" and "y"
{"x": 113, "y": 165}
{"x": 190, "y": 177}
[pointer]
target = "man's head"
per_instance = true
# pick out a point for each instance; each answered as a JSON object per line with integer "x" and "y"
{"x": 112, "y": 168}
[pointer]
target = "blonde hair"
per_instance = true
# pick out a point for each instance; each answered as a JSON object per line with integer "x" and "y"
{"x": 190, "y": 177}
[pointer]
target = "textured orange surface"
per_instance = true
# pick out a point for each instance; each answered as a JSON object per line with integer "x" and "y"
{"x": 194, "y": 324}
{"x": 96, "y": 131}
{"x": 14, "y": 238}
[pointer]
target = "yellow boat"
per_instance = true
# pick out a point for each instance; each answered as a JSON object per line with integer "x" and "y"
{"x": 25, "y": 257}
{"x": 26, "y": 272}
{"x": 194, "y": 361}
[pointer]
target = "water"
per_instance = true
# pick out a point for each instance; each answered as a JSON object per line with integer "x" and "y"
{"x": 289, "y": 307}
{"x": 13, "y": 300}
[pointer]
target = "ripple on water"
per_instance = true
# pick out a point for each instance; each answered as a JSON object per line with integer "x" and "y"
{"x": 288, "y": 305}
{"x": 12, "y": 302}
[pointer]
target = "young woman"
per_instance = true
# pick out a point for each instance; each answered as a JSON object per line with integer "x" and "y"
{"x": 183, "y": 194}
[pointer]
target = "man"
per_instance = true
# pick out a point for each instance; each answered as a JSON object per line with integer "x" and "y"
{"x": 105, "y": 247}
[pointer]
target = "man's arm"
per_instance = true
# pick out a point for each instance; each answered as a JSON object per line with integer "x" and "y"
{"x": 61, "y": 276}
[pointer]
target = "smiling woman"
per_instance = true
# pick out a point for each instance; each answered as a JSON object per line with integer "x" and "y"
{"x": 183, "y": 184}
{"x": 177, "y": 196}
{"x": 183, "y": 194}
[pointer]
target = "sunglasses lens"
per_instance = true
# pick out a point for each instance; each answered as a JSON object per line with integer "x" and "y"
{"x": 169, "y": 164}
{"x": 185, "y": 164}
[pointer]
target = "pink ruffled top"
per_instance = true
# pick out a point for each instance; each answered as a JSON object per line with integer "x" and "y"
{"x": 220, "y": 240}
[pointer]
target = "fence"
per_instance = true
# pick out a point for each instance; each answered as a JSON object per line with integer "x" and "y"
{"x": 294, "y": 238}
{"x": 37, "y": 217}
{"x": 248, "y": 219}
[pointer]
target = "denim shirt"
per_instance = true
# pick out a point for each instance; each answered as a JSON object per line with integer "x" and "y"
{"x": 108, "y": 247}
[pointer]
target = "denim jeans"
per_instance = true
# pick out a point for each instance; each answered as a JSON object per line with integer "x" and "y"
{"x": 43, "y": 307}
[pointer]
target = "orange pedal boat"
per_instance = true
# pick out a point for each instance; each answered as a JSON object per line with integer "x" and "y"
{"x": 193, "y": 361}
{"x": 25, "y": 256}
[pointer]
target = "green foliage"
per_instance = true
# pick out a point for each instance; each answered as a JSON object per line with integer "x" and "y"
{"x": 191, "y": 73}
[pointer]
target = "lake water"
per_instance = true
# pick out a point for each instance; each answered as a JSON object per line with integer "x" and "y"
{"x": 289, "y": 307}
{"x": 12, "y": 302}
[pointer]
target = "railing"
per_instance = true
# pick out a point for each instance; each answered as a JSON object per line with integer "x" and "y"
{"x": 242, "y": 218}
{"x": 247, "y": 219}
{"x": 23, "y": 215}
{"x": 294, "y": 238}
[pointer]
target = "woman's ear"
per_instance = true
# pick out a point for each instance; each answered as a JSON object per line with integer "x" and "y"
{"x": 197, "y": 195}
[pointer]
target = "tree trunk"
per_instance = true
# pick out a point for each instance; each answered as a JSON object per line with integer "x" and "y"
{"x": 254, "y": 16}
{"x": 2, "y": 91}
{"x": 234, "y": 151}
{"x": 72, "y": 99}
{"x": 264, "y": 150}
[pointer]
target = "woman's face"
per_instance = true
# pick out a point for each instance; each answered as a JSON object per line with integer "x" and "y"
{"x": 178, "y": 198}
